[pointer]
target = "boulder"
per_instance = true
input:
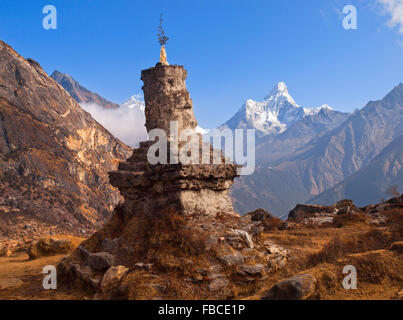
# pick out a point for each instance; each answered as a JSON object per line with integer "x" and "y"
{"x": 232, "y": 259}
{"x": 301, "y": 287}
{"x": 110, "y": 246}
{"x": 76, "y": 274}
{"x": 83, "y": 253}
{"x": 303, "y": 211}
{"x": 113, "y": 277}
{"x": 49, "y": 247}
{"x": 100, "y": 261}
{"x": 259, "y": 215}
{"x": 253, "y": 270}
{"x": 5, "y": 252}
{"x": 239, "y": 239}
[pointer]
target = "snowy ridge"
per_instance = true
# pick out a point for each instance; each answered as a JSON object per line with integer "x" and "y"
{"x": 135, "y": 102}
{"x": 273, "y": 115}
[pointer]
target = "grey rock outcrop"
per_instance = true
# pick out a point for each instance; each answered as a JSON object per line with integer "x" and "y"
{"x": 100, "y": 261}
{"x": 301, "y": 287}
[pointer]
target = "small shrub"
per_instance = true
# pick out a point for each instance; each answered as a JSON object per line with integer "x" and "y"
{"x": 167, "y": 233}
{"x": 342, "y": 220}
{"x": 273, "y": 223}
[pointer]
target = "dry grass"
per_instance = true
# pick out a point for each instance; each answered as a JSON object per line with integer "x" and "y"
{"x": 168, "y": 232}
{"x": 273, "y": 223}
{"x": 352, "y": 240}
{"x": 176, "y": 251}
{"x": 375, "y": 239}
{"x": 343, "y": 220}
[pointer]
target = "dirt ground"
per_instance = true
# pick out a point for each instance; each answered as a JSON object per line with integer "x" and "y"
{"x": 379, "y": 269}
{"x": 21, "y": 278}
{"x": 379, "y": 272}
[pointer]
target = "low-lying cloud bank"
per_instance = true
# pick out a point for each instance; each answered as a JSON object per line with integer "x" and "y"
{"x": 126, "y": 124}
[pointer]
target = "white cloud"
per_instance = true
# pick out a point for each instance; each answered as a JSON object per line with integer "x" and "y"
{"x": 126, "y": 124}
{"x": 394, "y": 8}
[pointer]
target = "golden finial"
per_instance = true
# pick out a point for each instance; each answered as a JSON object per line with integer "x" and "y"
{"x": 162, "y": 39}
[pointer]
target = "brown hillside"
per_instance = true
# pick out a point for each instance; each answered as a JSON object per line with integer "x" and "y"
{"x": 54, "y": 157}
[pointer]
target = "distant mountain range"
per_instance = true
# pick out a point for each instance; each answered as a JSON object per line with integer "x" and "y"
{"x": 318, "y": 151}
{"x": 372, "y": 181}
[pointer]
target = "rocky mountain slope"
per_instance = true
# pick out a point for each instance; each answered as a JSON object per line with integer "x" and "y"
{"x": 80, "y": 93}
{"x": 370, "y": 183}
{"x": 54, "y": 157}
{"x": 342, "y": 151}
{"x": 270, "y": 186}
{"x": 272, "y": 149}
{"x": 125, "y": 121}
{"x": 319, "y": 151}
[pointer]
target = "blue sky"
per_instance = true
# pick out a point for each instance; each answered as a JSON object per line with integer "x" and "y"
{"x": 233, "y": 50}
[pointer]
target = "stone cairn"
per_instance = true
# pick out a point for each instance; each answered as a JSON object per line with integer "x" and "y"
{"x": 214, "y": 253}
{"x": 194, "y": 188}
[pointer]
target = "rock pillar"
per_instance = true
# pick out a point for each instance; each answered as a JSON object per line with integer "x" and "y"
{"x": 195, "y": 188}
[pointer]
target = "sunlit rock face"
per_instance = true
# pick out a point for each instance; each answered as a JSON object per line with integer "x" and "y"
{"x": 54, "y": 157}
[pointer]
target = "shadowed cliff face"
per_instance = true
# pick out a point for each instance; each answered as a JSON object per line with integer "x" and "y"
{"x": 54, "y": 157}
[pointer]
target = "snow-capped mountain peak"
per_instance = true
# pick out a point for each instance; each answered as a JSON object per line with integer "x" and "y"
{"x": 275, "y": 112}
{"x": 134, "y": 101}
{"x": 325, "y": 106}
{"x": 279, "y": 89}
{"x": 273, "y": 115}
{"x": 313, "y": 111}
{"x": 279, "y": 94}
